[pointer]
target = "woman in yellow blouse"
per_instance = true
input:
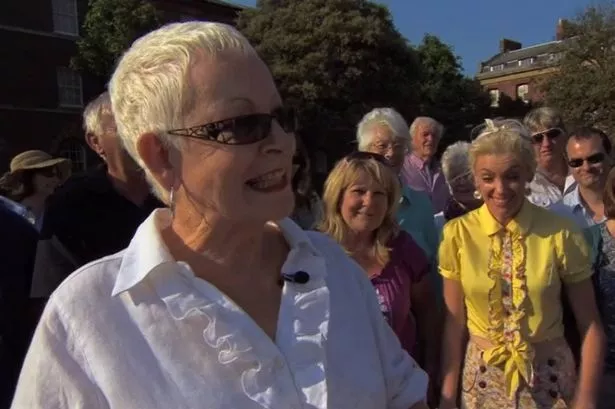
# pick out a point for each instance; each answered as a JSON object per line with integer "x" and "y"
{"x": 504, "y": 266}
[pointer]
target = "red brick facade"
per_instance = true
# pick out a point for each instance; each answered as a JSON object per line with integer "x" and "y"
{"x": 517, "y": 71}
{"x": 34, "y": 113}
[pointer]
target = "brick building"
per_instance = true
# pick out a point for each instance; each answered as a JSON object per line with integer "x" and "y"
{"x": 516, "y": 70}
{"x": 41, "y": 98}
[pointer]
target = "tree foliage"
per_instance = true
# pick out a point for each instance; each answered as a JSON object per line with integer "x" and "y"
{"x": 334, "y": 60}
{"x": 110, "y": 27}
{"x": 584, "y": 87}
{"x": 446, "y": 93}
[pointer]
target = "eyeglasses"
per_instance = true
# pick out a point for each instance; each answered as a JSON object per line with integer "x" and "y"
{"x": 592, "y": 160}
{"x": 394, "y": 147}
{"x": 550, "y": 134}
{"x": 362, "y": 155}
{"x": 241, "y": 130}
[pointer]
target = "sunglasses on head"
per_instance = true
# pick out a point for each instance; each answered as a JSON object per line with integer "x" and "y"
{"x": 362, "y": 155}
{"x": 550, "y": 134}
{"x": 241, "y": 130}
{"x": 592, "y": 160}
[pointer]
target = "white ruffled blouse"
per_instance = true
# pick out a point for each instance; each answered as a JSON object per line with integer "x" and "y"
{"x": 137, "y": 330}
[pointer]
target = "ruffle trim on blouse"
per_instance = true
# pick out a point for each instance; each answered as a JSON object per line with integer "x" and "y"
{"x": 301, "y": 334}
{"x": 512, "y": 351}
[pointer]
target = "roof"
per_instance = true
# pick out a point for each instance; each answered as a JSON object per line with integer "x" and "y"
{"x": 227, "y": 4}
{"x": 523, "y": 53}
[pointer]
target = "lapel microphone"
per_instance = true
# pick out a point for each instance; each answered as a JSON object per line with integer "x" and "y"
{"x": 299, "y": 277}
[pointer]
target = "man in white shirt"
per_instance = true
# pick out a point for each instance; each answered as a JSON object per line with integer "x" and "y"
{"x": 588, "y": 151}
{"x": 552, "y": 180}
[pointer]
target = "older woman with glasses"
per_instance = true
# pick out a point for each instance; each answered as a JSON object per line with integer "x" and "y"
{"x": 551, "y": 181}
{"x": 504, "y": 267}
{"x": 458, "y": 176}
{"x": 361, "y": 197}
{"x": 385, "y": 132}
{"x": 220, "y": 301}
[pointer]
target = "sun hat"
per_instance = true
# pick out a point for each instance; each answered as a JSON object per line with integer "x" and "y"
{"x": 36, "y": 159}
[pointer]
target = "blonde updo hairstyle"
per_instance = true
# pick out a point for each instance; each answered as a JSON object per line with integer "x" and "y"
{"x": 504, "y": 137}
{"x": 344, "y": 174}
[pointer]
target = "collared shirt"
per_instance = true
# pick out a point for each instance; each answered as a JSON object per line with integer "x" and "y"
{"x": 86, "y": 218}
{"x": 573, "y": 207}
{"x": 544, "y": 193}
{"x": 426, "y": 177}
{"x": 139, "y": 330}
{"x": 18, "y": 240}
{"x": 550, "y": 248}
{"x": 22, "y": 211}
{"x": 415, "y": 217}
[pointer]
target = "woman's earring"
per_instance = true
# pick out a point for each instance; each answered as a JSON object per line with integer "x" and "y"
{"x": 528, "y": 189}
{"x": 172, "y": 200}
{"x": 477, "y": 195}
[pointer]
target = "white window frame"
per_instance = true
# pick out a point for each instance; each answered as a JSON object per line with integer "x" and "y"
{"x": 523, "y": 96}
{"x": 495, "y": 102}
{"x": 75, "y": 151}
{"x": 69, "y": 81}
{"x": 60, "y": 15}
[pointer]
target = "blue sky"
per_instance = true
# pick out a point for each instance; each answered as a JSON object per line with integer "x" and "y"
{"x": 475, "y": 27}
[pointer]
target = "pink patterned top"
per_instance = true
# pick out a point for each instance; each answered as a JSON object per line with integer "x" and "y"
{"x": 408, "y": 265}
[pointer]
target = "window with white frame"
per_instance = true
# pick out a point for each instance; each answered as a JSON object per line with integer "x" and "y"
{"x": 69, "y": 88}
{"x": 494, "y": 95}
{"x": 523, "y": 92}
{"x": 76, "y": 151}
{"x": 65, "y": 17}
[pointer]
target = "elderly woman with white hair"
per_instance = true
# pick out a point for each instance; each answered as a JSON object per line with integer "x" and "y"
{"x": 384, "y": 131}
{"x": 458, "y": 175}
{"x": 220, "y": 301}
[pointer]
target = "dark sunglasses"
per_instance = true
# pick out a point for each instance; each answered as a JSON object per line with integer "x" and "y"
{"x": 241, "y": 130}
{"x": 550, "y": 134}
{"x": 592, "y": 160}
{"x": 361, "y": 155}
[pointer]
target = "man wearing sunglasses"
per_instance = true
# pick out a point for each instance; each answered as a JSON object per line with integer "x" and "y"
{"x": 552, "y": 180}
{"x": 588, "y": 153}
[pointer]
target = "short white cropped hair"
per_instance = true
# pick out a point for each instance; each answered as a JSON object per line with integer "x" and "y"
{"x": 455, "y": 161}
{"x": 430, "y": 121}
{"x": 384, "y": 116}
{"x": 150, "y": 88}
{"x": 94, "y": 113}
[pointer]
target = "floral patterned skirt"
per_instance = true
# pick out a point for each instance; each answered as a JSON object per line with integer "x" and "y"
{"x": 483, "y": 386}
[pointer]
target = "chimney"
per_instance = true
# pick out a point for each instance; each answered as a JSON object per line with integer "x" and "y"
{"x": 507, "y": 45}
{"x": 560, "y": 33}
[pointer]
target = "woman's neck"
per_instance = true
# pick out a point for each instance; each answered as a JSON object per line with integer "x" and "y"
{"x": 610, "y": 226}
{"x": 217, "y": 248}
{"x": 555, "y": 171}
{"x": 35, "y": 204}
{"x": 359, "y": 242}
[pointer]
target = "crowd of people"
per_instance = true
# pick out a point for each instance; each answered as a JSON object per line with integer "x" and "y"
{"x": 197, "y": 266}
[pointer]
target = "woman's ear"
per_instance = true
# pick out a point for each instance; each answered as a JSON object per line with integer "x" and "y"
{"x": 156, "y": 158}
{"x": 93, "y": 142}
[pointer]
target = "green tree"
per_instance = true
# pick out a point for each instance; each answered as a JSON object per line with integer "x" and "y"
{"x": 334, "y": 60}
{"x": 584, "y": 87}
{"x": 110, "y": 27}
{"x": 446, "y": 94}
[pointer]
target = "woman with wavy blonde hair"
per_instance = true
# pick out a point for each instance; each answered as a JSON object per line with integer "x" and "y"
{"x": 361, "y": 196}
{"x": 505, "y": 265}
